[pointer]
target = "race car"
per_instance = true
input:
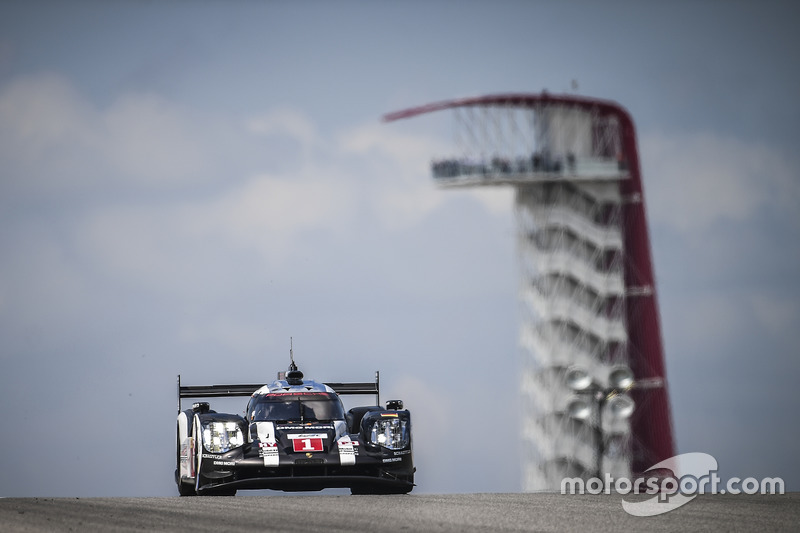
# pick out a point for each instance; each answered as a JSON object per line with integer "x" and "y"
{"x": 294, "y": 436}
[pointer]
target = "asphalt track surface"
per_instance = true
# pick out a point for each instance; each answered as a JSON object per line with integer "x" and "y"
{"x": 453, "y": 512}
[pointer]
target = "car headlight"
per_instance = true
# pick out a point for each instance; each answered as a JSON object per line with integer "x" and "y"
{"x": 391, "y": 433}
{"x": 220, "y": 437}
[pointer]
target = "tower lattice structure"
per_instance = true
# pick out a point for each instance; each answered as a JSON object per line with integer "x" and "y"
{"x": 586, "y": 278}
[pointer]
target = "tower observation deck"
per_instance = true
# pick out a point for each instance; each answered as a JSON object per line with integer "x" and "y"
{"x": 587, "y": 287}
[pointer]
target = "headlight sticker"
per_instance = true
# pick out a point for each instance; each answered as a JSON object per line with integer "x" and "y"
{"x": 391, "y": 433}
{"x": 221, "y": 437}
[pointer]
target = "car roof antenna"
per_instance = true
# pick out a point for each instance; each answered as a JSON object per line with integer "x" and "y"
{"x": 293, "y": 376}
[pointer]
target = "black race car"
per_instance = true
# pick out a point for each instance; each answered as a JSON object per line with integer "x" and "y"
{"x": 294, "y": 436}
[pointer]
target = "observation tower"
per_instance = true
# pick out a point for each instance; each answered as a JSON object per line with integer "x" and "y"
{"x": 593, "y": 385}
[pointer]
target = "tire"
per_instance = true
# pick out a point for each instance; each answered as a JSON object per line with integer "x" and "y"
{"x": 221, "y": 492}
{"x": 380, "y": 490}
{"x": 384, "y": 489}
{"x": 185, "y": 489}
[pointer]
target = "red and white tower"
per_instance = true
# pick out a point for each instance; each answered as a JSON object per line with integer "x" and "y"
{"x": 590, "y": 314}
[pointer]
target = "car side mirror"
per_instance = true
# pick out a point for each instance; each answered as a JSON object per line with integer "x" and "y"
{"x": 201, "y": 407}
{"x": 394, "y": 405}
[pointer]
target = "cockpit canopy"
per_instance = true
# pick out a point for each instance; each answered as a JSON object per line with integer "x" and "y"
{"x": 297, "y": 407}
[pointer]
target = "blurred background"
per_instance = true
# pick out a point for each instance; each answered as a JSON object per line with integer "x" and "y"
{"x": 186, "y": 185}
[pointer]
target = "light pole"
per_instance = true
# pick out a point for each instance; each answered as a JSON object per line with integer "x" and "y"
{"x": 610, "y": 395}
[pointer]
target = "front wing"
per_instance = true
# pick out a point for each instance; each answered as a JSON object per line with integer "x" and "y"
{"x": 255, "y": 466}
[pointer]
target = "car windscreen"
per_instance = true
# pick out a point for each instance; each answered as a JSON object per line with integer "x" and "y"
{"x": 298, "y": 408}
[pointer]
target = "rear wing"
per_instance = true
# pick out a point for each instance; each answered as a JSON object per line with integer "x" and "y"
{"x": 222, "y": 391}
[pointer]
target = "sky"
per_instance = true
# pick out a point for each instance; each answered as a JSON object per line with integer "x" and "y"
{"x": 186, "y": 185}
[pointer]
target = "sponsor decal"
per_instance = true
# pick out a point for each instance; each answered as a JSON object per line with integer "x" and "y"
{"x": 347, "y": 454}
{"x": 268, "y": 448}
{"x": 306, "y": 393}
{"x": 211, "y": 456}
{"x": 403, "y": 452}
{"x": 307, "y": 436}
{"x": 306, "y": 426}
{"x": 187, "y": 465}
{"x": 270, "y": 455}
{"x": 392, "y": 459}
{"x": 224, "y": 463}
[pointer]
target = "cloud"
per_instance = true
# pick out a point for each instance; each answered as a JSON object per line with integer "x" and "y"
{"x": 179, "y": 245}
{"x": 151, "y": 140}
{"x": 697, "y": 180}
{"x": 60, "y": 148}
{"x": 269, "y": 213}
{"x": 54, "y": 141}
{"x": 395, "y": 170}
{"x": 285, "y": 121}
{"x": 405, "y": 194}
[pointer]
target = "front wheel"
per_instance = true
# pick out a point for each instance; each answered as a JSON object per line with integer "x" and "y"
{"x": 185, "y": 489}
{"x": 220, "y": 492}
{"x": 380, "y": 490}
{"x": 384, "y": 489}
